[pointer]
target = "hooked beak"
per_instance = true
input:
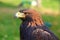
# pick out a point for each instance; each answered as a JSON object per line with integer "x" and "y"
{"x": 20, "y": 15}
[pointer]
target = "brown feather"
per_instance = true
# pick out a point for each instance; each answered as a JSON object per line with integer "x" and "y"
{"x": 36, "y": 17}
{"x": 33, "y": 28}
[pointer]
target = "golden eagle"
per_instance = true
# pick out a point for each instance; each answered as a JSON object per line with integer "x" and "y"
{"x": 32, "y": 27}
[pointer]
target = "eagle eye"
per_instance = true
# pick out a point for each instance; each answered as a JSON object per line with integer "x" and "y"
{"x": 26, "y": 13}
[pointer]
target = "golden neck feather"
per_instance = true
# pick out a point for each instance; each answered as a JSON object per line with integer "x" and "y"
{"x": 36, "y": 21}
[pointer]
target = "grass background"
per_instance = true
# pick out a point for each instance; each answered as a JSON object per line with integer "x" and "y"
{"x": 9, "y": 26}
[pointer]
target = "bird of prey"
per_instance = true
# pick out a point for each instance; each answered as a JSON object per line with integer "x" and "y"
{"x": 33, "y": 27}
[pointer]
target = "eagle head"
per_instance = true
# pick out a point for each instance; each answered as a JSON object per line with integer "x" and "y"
{"x": 30, "y": 15}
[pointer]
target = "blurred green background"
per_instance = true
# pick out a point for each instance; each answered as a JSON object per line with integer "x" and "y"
{"x": 9, "y": 26}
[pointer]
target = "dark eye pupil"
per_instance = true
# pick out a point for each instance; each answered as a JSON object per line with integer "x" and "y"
{"x": 25, "y": 13}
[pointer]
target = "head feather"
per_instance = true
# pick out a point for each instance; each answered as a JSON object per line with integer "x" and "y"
{"x": 35, "y": 16}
